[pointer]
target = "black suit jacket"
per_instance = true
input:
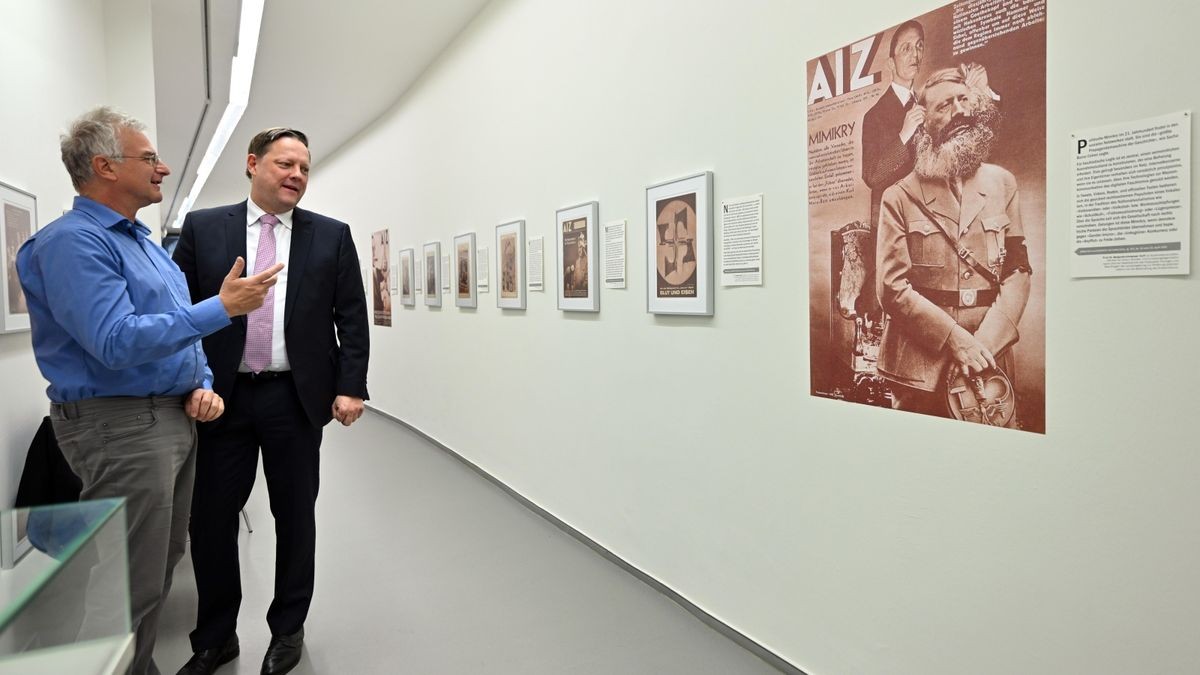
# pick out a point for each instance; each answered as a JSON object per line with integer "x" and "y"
{"x": 885, "y": 159}
{"x": 325, "y": 321}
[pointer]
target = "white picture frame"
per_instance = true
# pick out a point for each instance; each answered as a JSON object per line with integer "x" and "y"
{"x": 18, "y": 222}
{"x": 408, "y": 288}
{"x": 679, "y": 246}
{"x": 463, "y": 278}
{"x": 510, "y": 265}
{"x": 432, "y": 255}
{"x": 575, "y": 229}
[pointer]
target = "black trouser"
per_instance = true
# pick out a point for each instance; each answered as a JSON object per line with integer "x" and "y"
{"x": 261, "y": 413}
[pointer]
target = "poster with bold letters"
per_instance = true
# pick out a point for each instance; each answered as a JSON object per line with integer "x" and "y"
{"x": 927, "y": 215}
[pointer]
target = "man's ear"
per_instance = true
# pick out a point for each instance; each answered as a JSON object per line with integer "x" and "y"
{"x": 102, "y": 168}
{"x": 251, "y": 164}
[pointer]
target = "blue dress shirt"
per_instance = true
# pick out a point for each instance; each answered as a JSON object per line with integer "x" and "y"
{"x": 110, "y": 311}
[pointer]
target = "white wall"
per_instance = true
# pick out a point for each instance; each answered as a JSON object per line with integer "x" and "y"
{"x": 59, "y": 57}
{"x": 849, "y": 540}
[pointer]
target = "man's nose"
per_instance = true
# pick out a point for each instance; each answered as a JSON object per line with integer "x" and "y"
{"x": 961, "y": 109}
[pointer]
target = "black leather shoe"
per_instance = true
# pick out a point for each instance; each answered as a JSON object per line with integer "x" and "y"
{"x": 283, "y": 653}
{"x": 206, "y": 661}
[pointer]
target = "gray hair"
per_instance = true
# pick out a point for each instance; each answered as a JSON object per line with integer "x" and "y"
{"x": 93, "y": 134}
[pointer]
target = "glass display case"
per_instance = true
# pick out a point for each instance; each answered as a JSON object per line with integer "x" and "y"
{"x": 64, "y": 589}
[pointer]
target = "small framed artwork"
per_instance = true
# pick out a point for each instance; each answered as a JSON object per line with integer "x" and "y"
{"x": 433, "y": 275}
{"x": 407, "y": 297}
{"x": 465, "y": 293}
{"x": 381, "y": 295}
{"x": 578, "y": 275}
{"x": 679, "y": 243}
{"x": 510, "y": 265}
{"x": 18, "y": 220}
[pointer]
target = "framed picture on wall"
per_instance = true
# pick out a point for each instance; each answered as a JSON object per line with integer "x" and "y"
{"x": 679, "y": 246}
{"x": 510, "y": 265}
{"x": 18, "y": 220}
{"x": 381, "y": 295}
{"x": 407, "y": 296}
{"x": 578, "y": 275}
{"x": 464, "y": 271}
{"x": 433, "y": 274}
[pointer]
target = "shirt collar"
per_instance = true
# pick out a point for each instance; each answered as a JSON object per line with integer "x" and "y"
{"x": 902, "y": 92}
{"x": 254, "y": 212}
{"x": 109, "y": 218}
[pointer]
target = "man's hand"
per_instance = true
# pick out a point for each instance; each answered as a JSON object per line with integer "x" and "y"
{"x": 969, "y": 353}
{"x": 242, "y": 296}
{"x": 347, "y": 409}
{"x": 977, "y": 78}
{"x": 913, "y": 119}
{"x": 203, "y": 405}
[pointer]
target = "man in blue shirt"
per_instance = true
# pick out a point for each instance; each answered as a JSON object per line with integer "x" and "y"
{"x": 116, "y": 335}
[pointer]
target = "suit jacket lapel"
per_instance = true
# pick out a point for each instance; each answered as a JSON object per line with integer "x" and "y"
{"x": 302, "y": 234}
{"x": 235, "y": 242}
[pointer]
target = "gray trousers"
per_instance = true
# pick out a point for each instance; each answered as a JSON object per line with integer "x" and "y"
{"x": 142, "y": 449}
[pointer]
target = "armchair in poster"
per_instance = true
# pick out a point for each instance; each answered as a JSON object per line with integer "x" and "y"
{"x": 927, "y": 217}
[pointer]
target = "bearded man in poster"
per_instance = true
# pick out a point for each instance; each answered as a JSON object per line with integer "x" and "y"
{"x": 953, "y": 271}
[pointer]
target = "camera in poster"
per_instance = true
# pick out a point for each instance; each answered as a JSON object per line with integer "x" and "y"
{"x": 927, "y": 173}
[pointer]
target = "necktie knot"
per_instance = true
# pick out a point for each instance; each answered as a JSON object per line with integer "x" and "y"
{"x": 269, "y": 219}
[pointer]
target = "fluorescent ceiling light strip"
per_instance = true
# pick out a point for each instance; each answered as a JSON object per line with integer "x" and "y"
{"x": 240, "y": 75}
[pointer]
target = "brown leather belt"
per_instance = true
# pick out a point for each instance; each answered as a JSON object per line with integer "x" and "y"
{"x": 966, "y": 297}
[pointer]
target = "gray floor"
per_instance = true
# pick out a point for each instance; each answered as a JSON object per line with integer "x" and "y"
{"x": 425, "y": 567}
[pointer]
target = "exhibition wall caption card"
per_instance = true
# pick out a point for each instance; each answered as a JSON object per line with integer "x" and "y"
{"x": 741, "y": 241}
{"x": 614, "y": 254}
{"x": 536, "y": 276}
{"x": 1132, "y": 202}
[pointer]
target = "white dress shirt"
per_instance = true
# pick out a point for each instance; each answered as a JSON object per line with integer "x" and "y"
{"x": 283, "y": 247}
{"x": 903, "y": 93}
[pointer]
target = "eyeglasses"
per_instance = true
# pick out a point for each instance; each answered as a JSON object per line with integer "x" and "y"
{"x": 154, "y": 159}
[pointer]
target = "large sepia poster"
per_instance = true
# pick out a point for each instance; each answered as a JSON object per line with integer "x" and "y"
{"x": 381, "y": 294}
{"x": 927, "y": 215}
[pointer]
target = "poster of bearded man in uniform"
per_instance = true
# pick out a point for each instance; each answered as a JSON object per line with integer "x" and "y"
{"x": 927, "y": 173}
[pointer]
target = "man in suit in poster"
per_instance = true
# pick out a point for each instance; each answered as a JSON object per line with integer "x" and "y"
{"x": 285, "y": 371}
{"x": 888, "y": 127}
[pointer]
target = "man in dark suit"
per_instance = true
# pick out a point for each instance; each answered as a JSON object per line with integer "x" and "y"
{"x": 888, "y": 127}
{"x": 285, "y": 371}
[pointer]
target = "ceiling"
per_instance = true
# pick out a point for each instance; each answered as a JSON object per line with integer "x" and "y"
{"x": 326, "y": 68}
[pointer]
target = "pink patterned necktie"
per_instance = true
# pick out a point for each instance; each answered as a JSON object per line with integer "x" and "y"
{"x": 260, "y": 322}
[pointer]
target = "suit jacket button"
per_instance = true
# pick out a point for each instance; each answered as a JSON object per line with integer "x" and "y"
{"x": 967, "y": 274}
